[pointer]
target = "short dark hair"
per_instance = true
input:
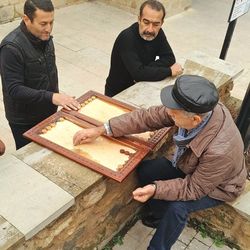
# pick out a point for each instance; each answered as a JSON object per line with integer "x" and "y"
{"x": 31, "y": 6}
{"x": 155, "y": 5}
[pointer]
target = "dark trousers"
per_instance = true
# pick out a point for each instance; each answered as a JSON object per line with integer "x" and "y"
{"x": 17, "y": 132}
{"x": 173, "y": 214}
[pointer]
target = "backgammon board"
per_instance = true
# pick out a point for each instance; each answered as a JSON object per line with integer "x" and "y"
{"x": 112, "y": 157}
{"x": 97, "y": 109}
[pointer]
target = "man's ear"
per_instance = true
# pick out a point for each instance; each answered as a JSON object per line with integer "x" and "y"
{"x": 197, "y": 119}
{"x": 139, "y": 19}
{"x": 26, "y": 19}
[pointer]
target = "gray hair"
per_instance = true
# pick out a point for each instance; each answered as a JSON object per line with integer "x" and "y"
{"x": 155, "y": 5}
{"x": 191, "y": 114}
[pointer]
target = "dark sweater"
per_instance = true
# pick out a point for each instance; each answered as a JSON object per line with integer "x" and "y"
{"x": 133, "y": 59}
{"x": 29, "y": 77}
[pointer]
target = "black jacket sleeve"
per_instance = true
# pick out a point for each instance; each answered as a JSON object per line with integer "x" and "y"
{"x": 12, "y": 72}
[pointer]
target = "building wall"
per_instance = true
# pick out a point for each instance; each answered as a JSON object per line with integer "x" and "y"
{"x": 11, "y": 9}
{"x": 173, "y": 7}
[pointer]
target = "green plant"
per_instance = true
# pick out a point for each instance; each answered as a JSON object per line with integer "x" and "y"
{"x": 206, "y": 230}
{"x": 118, "y": 238}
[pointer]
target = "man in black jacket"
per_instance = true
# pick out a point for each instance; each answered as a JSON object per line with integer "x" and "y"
{"x": 29, "y": 73}
{"x": 141, "y": 52}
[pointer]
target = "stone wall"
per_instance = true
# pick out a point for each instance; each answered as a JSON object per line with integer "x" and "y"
{"x": 11, "y": 9}
{"x": 173, "y": 7}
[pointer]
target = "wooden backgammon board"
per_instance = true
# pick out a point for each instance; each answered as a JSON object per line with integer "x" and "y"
{"x": 112, "y": 157}
{"x": 97, "y": 109}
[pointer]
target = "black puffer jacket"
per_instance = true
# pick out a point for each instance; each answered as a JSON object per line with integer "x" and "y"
{"x": 29, "y": 77}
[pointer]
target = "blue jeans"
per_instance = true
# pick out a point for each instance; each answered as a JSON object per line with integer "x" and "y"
{"x": 173, "y": 215}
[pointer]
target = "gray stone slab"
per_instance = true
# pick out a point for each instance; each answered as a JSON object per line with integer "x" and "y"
{"x": 197, "y": 245}
{"x": 178, "y": 246}
{"x": 9, "y": 235}
{"x": 139, "y": 232}
{"x": 67, "y": 174}
{"x": 129, "y": 243}
{"x": 187, "y": 235}
{"x": 28, "y": 200}
{"x": 242, "y": 204}
{"x": 227, "y": 68}
{"x": 144, "y": 94}
{"x": 72, "y": 81}
{"x": 205, "y": 240}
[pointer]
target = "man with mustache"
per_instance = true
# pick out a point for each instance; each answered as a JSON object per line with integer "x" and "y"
{"x": 141, "y": 52}
{"x": 29, "y": 73}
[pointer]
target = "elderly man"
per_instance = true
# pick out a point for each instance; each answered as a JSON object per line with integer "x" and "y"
{"x": 29, "y": 72}
{"x": 141, "y": 52}
{"x": 208, "y": 166}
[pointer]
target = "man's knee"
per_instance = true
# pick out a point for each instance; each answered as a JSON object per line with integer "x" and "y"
{"x": 177, "y": 209}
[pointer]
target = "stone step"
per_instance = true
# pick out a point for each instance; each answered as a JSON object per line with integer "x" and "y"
{"x": 28, "y": 200}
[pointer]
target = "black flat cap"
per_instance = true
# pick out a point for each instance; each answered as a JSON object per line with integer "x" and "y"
{"x": 191, "y": 93}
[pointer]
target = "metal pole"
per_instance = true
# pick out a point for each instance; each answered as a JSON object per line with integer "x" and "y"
{"x": 227, "y": 39}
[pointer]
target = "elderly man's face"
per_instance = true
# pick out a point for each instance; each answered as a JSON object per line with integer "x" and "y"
{"x": 42, "y": 24}
{"x": 183, "y": 120}
{"x": 150, "y": 23}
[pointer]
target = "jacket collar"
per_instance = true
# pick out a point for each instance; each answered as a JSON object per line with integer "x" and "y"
{"x": 36, "y": 42}
{"x": 209, "y": 132}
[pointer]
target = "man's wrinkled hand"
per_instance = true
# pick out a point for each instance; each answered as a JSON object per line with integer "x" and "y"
{"x": 65, "y": 101}
{"x": 145, "y": 193}
{"x": 87, "y": 135}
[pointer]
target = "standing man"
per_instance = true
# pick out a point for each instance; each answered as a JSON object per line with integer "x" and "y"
{"x": 207, "y": 169}
{"x": 141, "y": 52}
{"x": 29, "y": 73}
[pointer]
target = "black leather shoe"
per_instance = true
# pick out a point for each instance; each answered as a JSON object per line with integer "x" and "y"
{"x": 150, "y": 221}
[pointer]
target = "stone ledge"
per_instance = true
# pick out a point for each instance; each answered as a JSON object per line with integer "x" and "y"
{"x": 233, "y": 219}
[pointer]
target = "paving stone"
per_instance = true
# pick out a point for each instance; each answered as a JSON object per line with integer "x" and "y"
{"x": 197, "y": 245}
{"x": 129, "y": 243}
{"x": 207, "y": 241}
{"x": 187, "y": 235}
{"x": 145, "y": 243}
{"x": 179, "y": 246}
{"x": 139, "y": 232}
